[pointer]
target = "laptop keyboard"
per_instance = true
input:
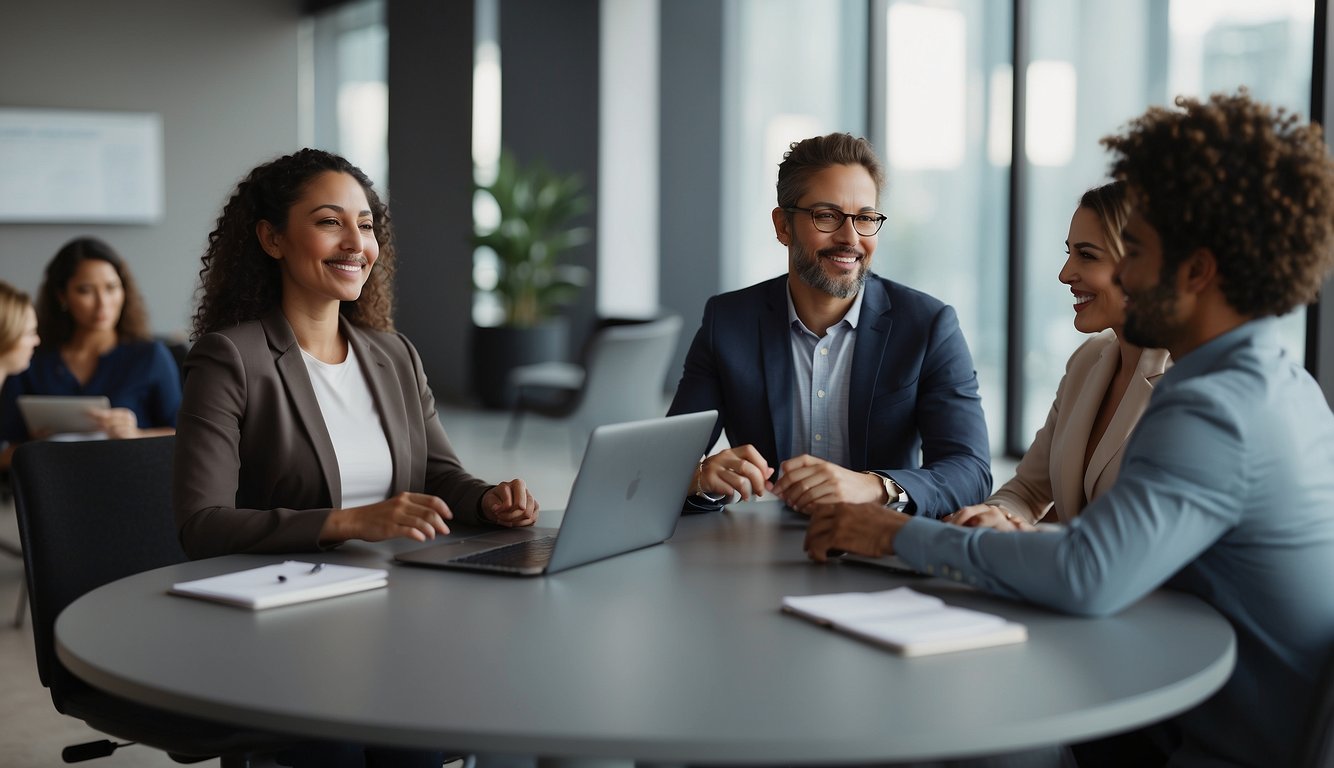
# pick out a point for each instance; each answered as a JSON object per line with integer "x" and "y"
{"x": 521, "y": 554}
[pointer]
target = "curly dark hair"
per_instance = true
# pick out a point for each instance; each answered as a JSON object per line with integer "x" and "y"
{"x": 240, "y": 282}
{"x": 810, "y": 156}
{"x": 54, "y": 323}
{"x": 1249, "y": 182}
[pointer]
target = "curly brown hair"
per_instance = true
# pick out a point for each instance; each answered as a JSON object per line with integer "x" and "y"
{"x": 54, "y": 323}
{"x": 240, "y": 282}
{"x": 810, "y": 156}
{"x": 1250, "y": 183}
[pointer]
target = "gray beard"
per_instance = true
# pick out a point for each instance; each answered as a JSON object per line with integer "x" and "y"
{"x": 810, "y": 273}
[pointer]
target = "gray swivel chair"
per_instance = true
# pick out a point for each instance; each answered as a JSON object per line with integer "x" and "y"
{"x": 621, "y": 379}
{"x": 90, "y": 513}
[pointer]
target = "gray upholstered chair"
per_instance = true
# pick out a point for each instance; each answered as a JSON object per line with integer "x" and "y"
{"x": 621, "y": 379}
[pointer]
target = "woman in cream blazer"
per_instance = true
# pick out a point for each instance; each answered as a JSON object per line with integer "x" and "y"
{"x": 307, "y": 421}
{"x": 1076, "y": 456}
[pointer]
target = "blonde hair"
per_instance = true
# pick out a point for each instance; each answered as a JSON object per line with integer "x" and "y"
{"x": 13, "y": 315}
{"x": 1112, "y": 206}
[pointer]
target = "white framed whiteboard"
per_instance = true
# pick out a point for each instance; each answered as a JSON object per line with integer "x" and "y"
{"x": 80, "y": 166}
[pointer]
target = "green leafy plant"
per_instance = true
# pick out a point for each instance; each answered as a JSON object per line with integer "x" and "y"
{"x": 537, "y": 207}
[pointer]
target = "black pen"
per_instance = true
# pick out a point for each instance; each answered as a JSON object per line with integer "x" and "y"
{"x": 315, "y": 569}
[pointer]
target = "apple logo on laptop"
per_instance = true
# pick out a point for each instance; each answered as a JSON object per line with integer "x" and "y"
{"x": 633, "y": 488}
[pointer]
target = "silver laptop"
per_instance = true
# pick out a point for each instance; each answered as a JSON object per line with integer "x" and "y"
{"x": 627, "y": 495}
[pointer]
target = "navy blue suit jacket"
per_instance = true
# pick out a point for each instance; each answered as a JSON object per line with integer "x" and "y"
{"x": 913, "y": 410}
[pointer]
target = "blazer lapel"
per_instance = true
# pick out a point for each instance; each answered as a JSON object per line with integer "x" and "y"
{"x": 1132, "y": 405}
{"x": 388, "y": 396}
{"x": 776, "y": 361}
{"x": 296, "y": 380}
{"x": 1072, "y": 486}
{"x": 867, "y": 358}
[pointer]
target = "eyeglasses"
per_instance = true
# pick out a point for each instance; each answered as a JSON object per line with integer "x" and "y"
{"x": 867, "y": 223}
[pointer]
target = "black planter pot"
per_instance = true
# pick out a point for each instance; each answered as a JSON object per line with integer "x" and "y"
{"x": 496, "y": 350}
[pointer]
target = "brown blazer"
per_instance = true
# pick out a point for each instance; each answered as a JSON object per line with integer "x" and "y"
{"x": 255, "y": 467}
{"x": 1051, "y": 476}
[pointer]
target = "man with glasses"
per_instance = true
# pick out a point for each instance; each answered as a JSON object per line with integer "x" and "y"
{"x": 835, "y": 384}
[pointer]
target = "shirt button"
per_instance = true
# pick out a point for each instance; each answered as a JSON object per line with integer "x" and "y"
{"x": 820, "y": 393}
{"x": 818, "y": 438}
{"x": 824, "y": 350}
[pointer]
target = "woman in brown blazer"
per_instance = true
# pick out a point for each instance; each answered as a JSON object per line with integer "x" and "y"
{"x": 1076, "y": 456}
{"x": 307, "y": 420}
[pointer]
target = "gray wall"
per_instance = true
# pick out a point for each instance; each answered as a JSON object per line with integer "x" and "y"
{"x": 222, "y": 75}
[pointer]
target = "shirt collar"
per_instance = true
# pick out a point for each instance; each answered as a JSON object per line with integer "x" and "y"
{"x": 852, "y": 317}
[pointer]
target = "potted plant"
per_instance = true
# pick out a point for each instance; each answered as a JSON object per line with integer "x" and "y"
{"x": 535, "y": 227}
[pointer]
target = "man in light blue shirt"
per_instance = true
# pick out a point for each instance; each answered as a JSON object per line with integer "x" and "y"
{"x": 835, "y": 384}
{"x": 1227, "y": 488}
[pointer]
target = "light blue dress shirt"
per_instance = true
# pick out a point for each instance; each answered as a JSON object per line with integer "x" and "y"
{"x": 1226, "y": 492}
{"x": 822, "y": 374}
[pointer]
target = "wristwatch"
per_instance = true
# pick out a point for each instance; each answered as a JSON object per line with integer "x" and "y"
{"x": 892, "y": 490}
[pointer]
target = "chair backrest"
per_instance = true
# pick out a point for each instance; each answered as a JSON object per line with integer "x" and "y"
{"x": 626, "y": 370}
{"x": 89, "y": 513}
{"x": 1316, "y": 749}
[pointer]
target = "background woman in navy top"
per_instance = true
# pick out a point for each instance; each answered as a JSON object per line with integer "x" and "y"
{"x": 95, "y": 341}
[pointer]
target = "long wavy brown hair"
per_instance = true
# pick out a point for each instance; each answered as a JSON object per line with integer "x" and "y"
{"x": 54, "y": 323}
{"x": 240, "y": 282}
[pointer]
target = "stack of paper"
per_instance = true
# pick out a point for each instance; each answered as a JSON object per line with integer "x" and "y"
{"x": 906, "y": 621}
{"x": 283, "y": 584}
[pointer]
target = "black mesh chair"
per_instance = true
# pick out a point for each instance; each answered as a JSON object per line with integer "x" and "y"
{"x": 1317, "y": 747}
{"x": 90, "y": 513}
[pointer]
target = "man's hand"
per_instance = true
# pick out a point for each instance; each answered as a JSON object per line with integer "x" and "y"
{"x": 734, "y": 470}
{"x": 807, "y": 481}
{"x": 863, "y": 529}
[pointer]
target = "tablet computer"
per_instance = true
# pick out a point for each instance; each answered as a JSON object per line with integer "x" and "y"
{"x": 54, "y": 414}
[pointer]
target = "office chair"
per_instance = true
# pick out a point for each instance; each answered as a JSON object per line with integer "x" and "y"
{"x": 621, "y": 379}
{"x": 1316, "y": 749}
{"x": 90, "y": 513}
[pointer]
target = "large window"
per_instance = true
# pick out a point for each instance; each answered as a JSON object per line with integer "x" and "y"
{"x": 943, "y": 130}
{"x": 1095, "y": 65}
{"x": 347, "y": 95}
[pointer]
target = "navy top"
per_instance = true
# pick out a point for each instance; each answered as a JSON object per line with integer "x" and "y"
{"x": 139, "y": 375}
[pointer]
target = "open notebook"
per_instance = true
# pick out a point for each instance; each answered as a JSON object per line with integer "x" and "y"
{"x": 906, "y": 621}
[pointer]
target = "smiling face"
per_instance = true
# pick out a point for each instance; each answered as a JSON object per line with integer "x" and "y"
{"x": 1089, "y": 270}
{"x": 16, "y": 358}
{"x": 94, "y": 296}
{"x": 836, "y": 262}
{"x": 328, "y": 247}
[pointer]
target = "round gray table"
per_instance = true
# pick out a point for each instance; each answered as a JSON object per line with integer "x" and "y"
{"x": 675, "y": 653}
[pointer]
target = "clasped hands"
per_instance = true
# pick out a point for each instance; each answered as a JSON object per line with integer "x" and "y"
{"x": 422, "y": 516}
{"x": 804, "y": 481}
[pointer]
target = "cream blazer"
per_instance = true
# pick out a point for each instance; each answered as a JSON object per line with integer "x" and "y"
{"x": 1051, "y": 475}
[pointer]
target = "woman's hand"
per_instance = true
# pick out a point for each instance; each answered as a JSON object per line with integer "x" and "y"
{"x": 417, "y": 516}
{"x": 117, "y": 423}
{"x": 510, "y": 504}
{"x": 741, "y": 470}
{"x": 988, "y": 516}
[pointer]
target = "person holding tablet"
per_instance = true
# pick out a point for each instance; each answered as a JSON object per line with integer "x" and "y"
{"x": 96, "y": 341}
{"x": 1076, "y": 456}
